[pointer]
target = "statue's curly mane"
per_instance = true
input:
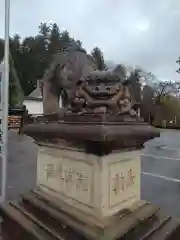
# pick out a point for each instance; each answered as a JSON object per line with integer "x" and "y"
{"x": 73, "y": 47}
{"x": 66, "y": 68}
{"x": 67, "y": 50}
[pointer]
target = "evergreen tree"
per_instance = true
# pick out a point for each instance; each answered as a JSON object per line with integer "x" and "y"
{"x": 54, "y": 39}
{"x": 16, "y": 95}
{"x": 98, "y": 58}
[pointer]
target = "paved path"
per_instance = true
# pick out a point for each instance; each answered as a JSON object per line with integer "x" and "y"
{"x": 22, "y": 157}
{"x": 163, "y": 191}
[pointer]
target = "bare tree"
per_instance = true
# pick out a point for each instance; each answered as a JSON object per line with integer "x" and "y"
{"x": 154, "y": 93}
{"x": 160, "y": 88}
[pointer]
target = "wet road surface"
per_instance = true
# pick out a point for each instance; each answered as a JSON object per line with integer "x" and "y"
{"x": 21, "y": 168}
{"x": 161, "y": 186}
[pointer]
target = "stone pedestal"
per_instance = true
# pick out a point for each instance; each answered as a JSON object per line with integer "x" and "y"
{"x": 97, "y": 185}
{"x": 88, "y": 186}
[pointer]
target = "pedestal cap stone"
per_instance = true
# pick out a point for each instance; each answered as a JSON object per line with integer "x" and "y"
{"x": 99, "y": 134}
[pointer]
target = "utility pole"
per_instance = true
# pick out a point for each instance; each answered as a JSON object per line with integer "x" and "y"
{"x": 5, "y": 103}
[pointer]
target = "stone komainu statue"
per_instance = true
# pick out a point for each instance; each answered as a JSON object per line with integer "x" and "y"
{"x": 66, "y": 69}
{"x": 84, "y": 89}
{"x": 103, "y": 92}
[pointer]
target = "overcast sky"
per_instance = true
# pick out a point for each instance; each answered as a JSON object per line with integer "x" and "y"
{"x": 135, "y": 32}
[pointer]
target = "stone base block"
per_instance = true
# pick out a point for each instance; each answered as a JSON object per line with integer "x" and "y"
{"x": 39, "y": 216}
{"x": 99, "y": 186}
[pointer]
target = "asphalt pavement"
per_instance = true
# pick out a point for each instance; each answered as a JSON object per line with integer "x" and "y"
{"x": 21, "y": 168}
{"x": 160, "y": 184}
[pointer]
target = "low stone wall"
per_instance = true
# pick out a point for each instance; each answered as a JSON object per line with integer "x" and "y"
{"x": 161, "y": 172}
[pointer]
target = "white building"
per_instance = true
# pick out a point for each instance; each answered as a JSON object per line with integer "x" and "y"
{"x": 34, "y": 102}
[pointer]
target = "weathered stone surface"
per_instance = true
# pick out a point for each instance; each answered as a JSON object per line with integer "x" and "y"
{"x": 66, "y": 69}
{"x": 101, "y": 186}
{"x": 40, "y": 216}
{"x": 99, "y": 138}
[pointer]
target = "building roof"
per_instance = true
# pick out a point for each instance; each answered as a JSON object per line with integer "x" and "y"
{"x": 36, "y": 94}
{"x": 34, "y": 99}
